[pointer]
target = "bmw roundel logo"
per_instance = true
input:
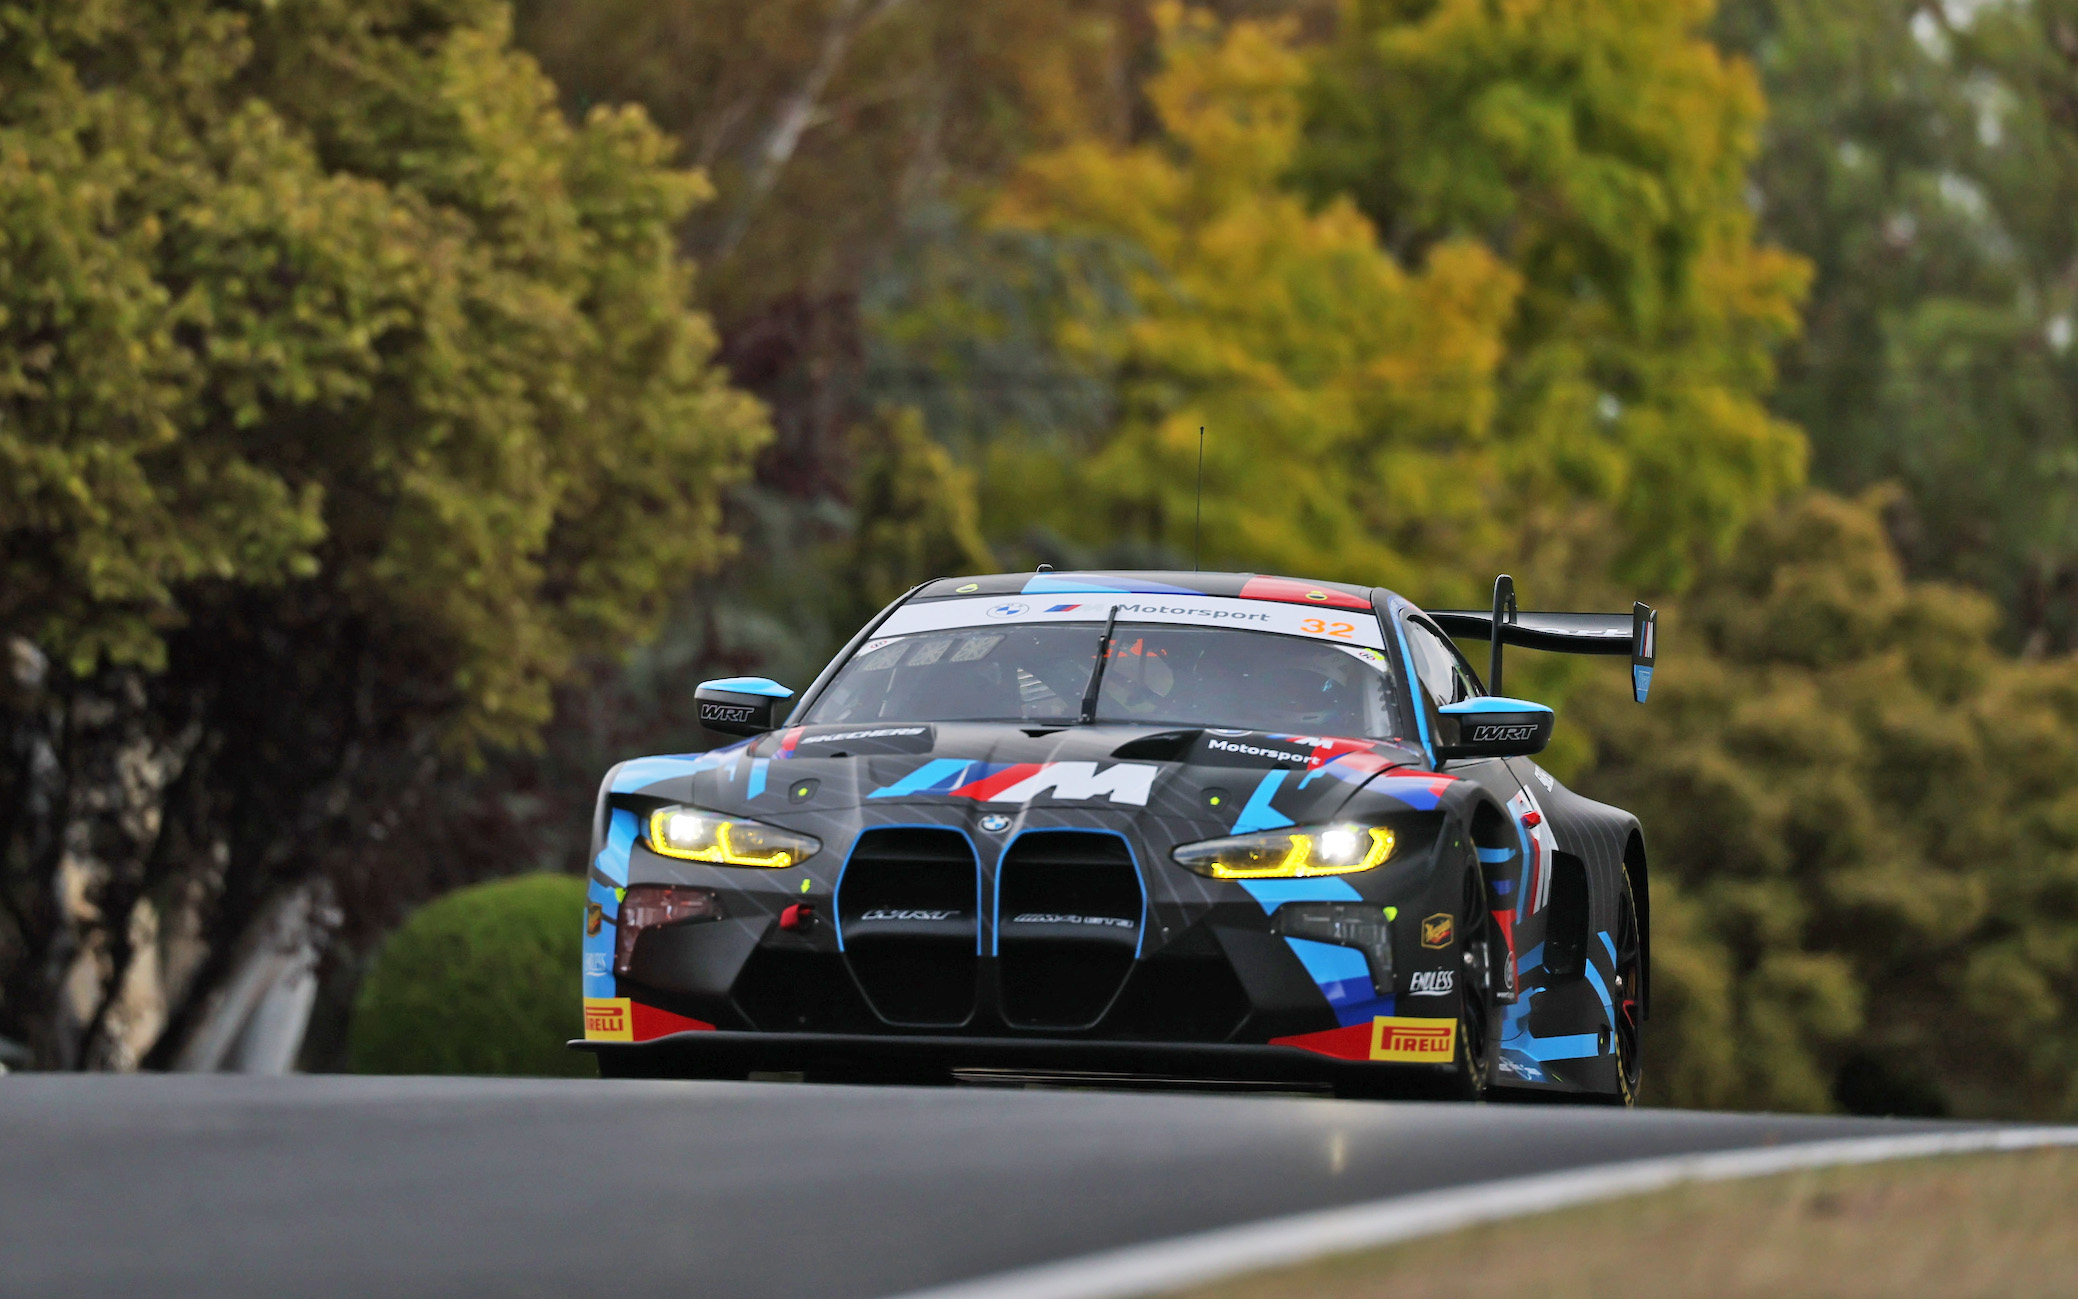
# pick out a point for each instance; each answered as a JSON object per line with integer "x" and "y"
{"x": 995, "y": 823}
{"x": 1010, "y": 610}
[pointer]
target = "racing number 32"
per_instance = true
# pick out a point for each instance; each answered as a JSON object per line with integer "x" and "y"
{"x": 1321, "y": 627}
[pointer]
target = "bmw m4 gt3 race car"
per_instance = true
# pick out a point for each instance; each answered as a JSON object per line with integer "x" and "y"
{"x": 1188, "y": 826}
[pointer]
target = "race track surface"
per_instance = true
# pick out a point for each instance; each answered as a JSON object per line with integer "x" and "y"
{"x": 321, "y": 1186}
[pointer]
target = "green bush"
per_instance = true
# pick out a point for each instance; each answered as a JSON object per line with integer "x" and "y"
{"x": 1864, "y": 835}
{"x": 482, "y": 981}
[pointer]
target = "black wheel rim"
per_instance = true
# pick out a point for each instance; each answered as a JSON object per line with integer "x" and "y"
{"x": 1630, "y": 968}
{"x": 1475, "y": 1010}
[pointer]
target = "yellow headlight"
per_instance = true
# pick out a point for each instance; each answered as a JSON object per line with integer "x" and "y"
{"x": 1299, "y": 853}
{"x": 693, "y": 835}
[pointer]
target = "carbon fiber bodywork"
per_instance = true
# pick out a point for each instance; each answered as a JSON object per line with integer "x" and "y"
{"x": 1001, "y": 896}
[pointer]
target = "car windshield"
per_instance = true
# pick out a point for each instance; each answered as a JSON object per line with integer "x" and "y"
{"x": 1159, "y": 674}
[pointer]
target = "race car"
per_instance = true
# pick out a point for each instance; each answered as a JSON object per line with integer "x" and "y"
{"x": 1212, "y": 828}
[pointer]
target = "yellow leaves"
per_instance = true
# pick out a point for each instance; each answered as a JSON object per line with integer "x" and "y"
{"x": 1566, "y": 366}
{"x": 915, "y": 512}
{"x": 1343, "y": 395}
{"x": 1228, "y": 99}
{"x": 1600, "y": 147}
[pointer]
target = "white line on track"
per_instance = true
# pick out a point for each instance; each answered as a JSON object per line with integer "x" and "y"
{"x": 1180, "y": 1261}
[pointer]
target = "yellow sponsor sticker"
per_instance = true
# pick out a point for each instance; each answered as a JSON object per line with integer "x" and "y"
{"x": 1436, "y": 931}
{"x": 1413, "y": 1041}
{"x": 608, "y": 1019}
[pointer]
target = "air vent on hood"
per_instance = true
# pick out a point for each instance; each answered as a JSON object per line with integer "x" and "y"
{"x": 1165, "y": 746}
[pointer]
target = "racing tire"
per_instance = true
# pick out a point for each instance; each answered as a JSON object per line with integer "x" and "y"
{"x": 1627, "y": 1031}
{"x": 1473, "y": 1069}
{"x": 1471, "y": 1073}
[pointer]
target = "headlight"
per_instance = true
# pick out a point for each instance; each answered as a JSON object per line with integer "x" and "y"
{"x": 693, "y": 835}
{"x": 1289, "y": 854}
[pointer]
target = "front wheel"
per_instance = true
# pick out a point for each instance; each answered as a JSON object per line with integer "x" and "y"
{"x": 1480, "y": 974}
{"x": 1627, "y": 996}
{"x": 1476, "y": 938}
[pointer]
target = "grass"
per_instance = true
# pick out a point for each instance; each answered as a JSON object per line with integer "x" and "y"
{"x": 1992, "y": 1225}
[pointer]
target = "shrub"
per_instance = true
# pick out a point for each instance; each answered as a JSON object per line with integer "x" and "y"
{"x": 481, "y": 981}
{"x": 1864, "y": 835}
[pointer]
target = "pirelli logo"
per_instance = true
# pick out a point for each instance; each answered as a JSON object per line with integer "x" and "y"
{"x": 1413, "y": 1041}
{"x": 608, "y": 1019}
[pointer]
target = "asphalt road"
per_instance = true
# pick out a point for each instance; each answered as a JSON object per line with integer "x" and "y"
{"x": 320, "y": 1186}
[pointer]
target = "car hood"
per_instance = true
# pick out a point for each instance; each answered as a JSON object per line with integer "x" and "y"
{"x": 1201, "y": 781}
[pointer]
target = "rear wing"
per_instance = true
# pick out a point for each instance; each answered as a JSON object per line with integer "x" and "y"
{"x": 1634, "y": 633}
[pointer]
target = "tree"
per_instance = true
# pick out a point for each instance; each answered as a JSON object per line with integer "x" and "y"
{"x": 1925, "y": 158}
{"x": 1322, "y": 369}
{"x": 916, "y": 517}
{"x": 848, "y": 140}
{"x": 1520, "y": 317}
{"x": 1865, "y": 859}
{"x": 350, "y": 396}
{"x": 832, "y": 128}
{"x": 1599, "y": 148}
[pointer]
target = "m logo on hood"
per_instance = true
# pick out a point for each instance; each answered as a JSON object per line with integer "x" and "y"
{"x": 1021, "y": 782}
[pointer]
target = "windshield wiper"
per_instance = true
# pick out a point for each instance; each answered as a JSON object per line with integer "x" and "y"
{"x": 1089, "y": 696}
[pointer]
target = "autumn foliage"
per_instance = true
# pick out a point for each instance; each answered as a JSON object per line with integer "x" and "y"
{"x": 370, "y": 453}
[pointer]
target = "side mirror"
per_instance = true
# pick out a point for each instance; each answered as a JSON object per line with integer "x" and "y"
{"x": 1493, "y": 727}
{"x": 740, "y": 705}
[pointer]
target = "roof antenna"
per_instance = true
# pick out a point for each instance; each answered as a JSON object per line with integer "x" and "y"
{"x": 1198, "y": 525}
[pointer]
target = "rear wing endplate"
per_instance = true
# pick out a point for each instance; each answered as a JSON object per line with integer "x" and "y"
{"x": 1633, "y": 633}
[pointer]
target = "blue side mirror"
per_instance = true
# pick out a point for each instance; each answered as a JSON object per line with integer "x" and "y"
{"x": 740, "y": 705}
{"x": 1493, "y": 727}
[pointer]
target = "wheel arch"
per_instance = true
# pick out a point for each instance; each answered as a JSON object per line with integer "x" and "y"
{"x": 1496, "y": 845}
{"x": 1635, "y": 865}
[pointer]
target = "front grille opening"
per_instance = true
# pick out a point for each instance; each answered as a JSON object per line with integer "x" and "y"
{"x": 917, "y": 983}
{"x": 908, "y": 870}
{"x": 782, "y": 991}
{"x": 909, "y": 909}
{"x": 1069, "y": 872}
{"x": 1068, "y": 923}
{"x": 1060, "y": 985}
{"x": 1180, "y": 999}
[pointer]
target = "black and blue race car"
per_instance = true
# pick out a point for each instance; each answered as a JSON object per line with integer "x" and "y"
{"x": 1201, "y": 827}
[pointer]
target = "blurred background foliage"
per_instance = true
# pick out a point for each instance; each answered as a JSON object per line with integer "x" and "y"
{"x": 376, "y": 472}
{"x": 477, "y": 982}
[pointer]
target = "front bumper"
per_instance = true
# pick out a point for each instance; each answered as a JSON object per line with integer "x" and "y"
{"x": 1059, "y": 944}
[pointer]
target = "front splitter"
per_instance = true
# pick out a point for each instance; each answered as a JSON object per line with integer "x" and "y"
{"x": 919, "y": 1057}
